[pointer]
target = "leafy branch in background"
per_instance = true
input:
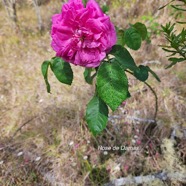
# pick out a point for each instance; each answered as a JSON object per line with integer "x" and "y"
{"x": 176, "y": 41}
{"x": 177, "y": 44}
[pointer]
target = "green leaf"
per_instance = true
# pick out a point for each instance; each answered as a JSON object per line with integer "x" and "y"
{"x": 177, "y": 8}
{"x": 96, "y": 115}
{"x": 132, "y": 38}
{"x": 44, "y": 69}
{"x": 181, "y": 22}
{"x": 141, "y": 28}
{"x": 105, "y": 8}
{"x": 62, "y": 70}
{"x": 153, "y": 73}
{"x": 112, "y": 84}
{"x": 172, "y": 64}
{"x": 123, "y": 57}
{"x": 167, "y": 50}
{"x": 120, "y": 37}
{"x": 141, "y": 73}
{"x": 87, "y": 75}
{"x": 174, "y": 59}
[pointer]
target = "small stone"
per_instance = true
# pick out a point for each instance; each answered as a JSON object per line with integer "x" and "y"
{"x": 74, "y": 164}
{"x": 38, "y": 158}
{"x": 105, "y": 153}
{"x": 133, "y": 141}
{"x": 135, "y": 136}
{"x": 112, "y": 121}
{"x": 1, "y": 162}
{"x": 20, "y": 153}
{"x": 71, "y": 143}
{"x": 85, "y": 157}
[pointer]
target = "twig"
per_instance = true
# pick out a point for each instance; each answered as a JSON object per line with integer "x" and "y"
{"x": 141, "y": 119}
{"x": 173, "y": 133}
{"x": 38, "y": 13}
{"x": 10, "y": 7}
{"x": 144, "y": 120}
{"x": 15, "y": 133}
{"x": 151, "y": 62}
{"x": 110, "y": 133}
{"x": 149, "y": 178}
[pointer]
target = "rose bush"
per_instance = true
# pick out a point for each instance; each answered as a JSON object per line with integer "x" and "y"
{"x": 82, "y": 35}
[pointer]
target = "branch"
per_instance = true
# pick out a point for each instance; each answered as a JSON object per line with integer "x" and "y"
{"x": 19, "y": 129}
{"x": 149, "y": 178}
{"x": 10, "y": 7}
{"x": 133, "y": 118}
{"x": 38, "y": 14}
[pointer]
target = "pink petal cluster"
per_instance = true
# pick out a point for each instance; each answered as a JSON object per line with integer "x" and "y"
{"x": 82, "y": 35}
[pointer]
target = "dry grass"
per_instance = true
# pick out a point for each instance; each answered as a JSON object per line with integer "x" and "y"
{"x": 43, "y": 137}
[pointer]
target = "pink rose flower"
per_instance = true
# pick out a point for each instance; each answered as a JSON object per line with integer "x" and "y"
{"x": 82, "y": 35}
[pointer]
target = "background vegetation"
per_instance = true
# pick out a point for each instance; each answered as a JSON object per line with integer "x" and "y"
{"x": 43, "y": 137}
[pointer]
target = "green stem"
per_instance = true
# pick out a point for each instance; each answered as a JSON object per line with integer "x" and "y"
{"x": 156, "y": 100}
{"x": 155, "y": 95}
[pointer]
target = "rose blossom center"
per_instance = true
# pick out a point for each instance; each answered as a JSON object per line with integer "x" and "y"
{"x": 78, "y": 34}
